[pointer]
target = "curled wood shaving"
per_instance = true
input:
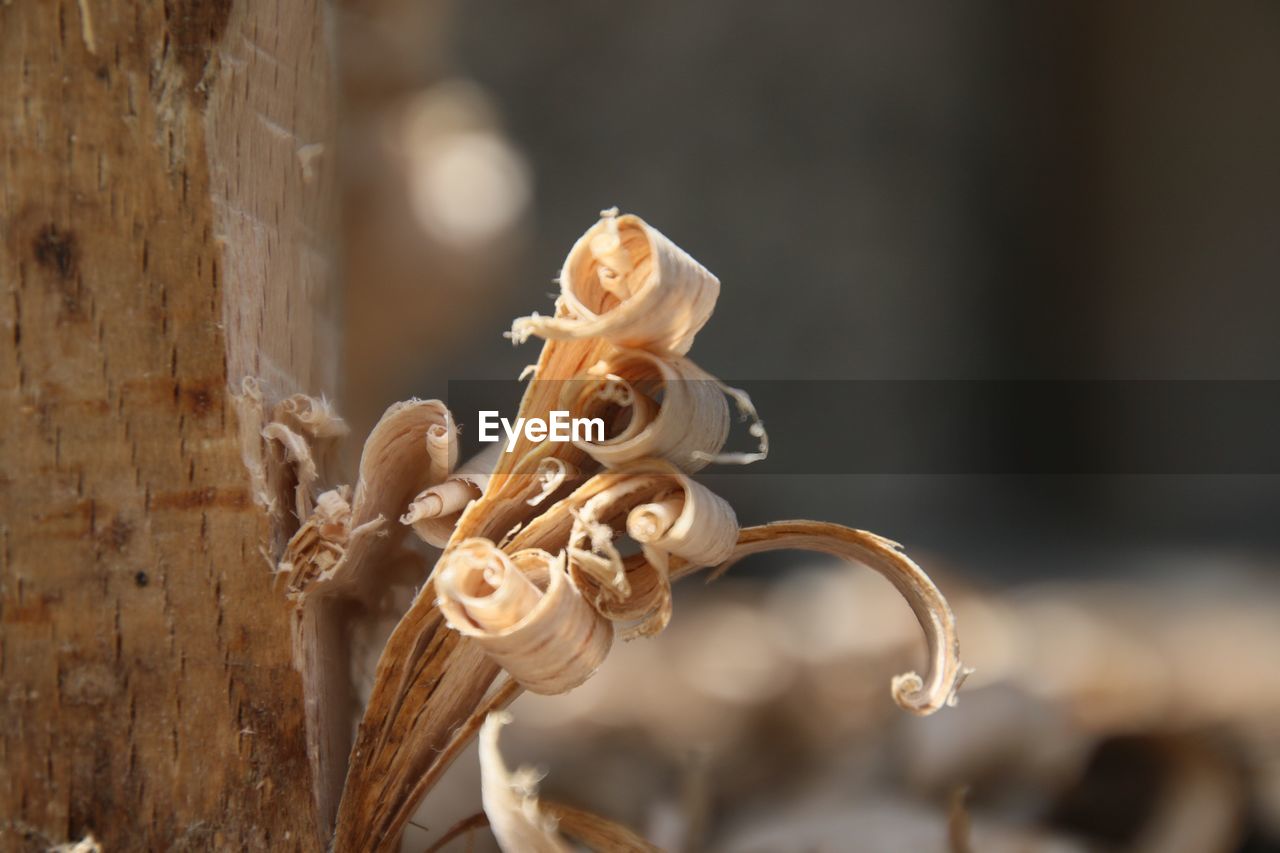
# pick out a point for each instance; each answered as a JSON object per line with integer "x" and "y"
{"x": 524, "y": 612}
{"x": 912, "y": 692}
{"x": 552, "y": 473}
{"x": 690, "y": 521}
{"x": 541, "y": 603}
{"x": 314, "y": 416}
{"x": 746, "y": 412}
{"x": 341, "y": 552}
{"x": 638, "y": 498}
{"x": 412, "y": 446}
{"x": 688, "y": 427}
{"x": 625, "y": 282}
{"x": 297, "y": 451}
{"x": 319, "y": 545}
{"x": 289, "y": 456}
{"x": 312, "y": 421}
{"x": 436, "y": 510}
{"x": 442, "y": 448}
{"x": 431, "y": 682}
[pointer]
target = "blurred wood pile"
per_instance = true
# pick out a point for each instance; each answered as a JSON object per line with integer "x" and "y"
{"x": 1101, "y": 716}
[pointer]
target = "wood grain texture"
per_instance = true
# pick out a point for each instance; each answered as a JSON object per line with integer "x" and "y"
{"x": 164, "y": 227}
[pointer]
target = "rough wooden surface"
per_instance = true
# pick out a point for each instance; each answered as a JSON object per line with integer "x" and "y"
{"x": 163, "y": 235}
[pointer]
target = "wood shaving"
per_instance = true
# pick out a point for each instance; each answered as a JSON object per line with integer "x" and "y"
{"x": 552, "y": 473}
{"x": 520, "y": 821}
{"x": 688, "y": 429}
{"x": 511, "y": 798}
{"x": 625, "y": 282}
{"x": 342, "y": 551}
{"x": 541, "y": 603}
{"x": 300, "y": 439}
{"x": 524, "y": 612}
{"x": 919, "y": 695}
{"x": 88, "y": 844}
{"x": 436, "y": 510}
{"x": 404, "y": 452}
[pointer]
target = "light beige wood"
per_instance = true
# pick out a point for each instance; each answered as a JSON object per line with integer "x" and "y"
{"x": 164, "y": 222}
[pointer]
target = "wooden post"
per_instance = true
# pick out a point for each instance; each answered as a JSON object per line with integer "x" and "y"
{"x": 165, "y": 227}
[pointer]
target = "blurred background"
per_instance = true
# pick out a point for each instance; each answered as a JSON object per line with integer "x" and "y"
{"x": 923, "y": 191}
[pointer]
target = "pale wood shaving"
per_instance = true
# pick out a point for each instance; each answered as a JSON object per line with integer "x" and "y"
{"x": 300, "y": 438}
{"x": 588, "y": 828}
{"x": 541, "y": 603}
{"x": 746, "y": 412}
{"x": 524, "y": 612}
{"x": 511, "y": 800}
{"x": 403, "y": 453}
{"x": 702, "y": 532}
{"x": 520, "y": 822}
{"x": 88, "y": 844}
{"x": 339, "y": 553}
{"x": 625, "y": 282}
{"x": 552, "y": 473}
{"x": 919, "y": 695}
{"x": 688, "y": 429}
{"x": 435, "y": 511}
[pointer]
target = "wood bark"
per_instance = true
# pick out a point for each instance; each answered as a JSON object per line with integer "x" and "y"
{"x": 164, "y": 234}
